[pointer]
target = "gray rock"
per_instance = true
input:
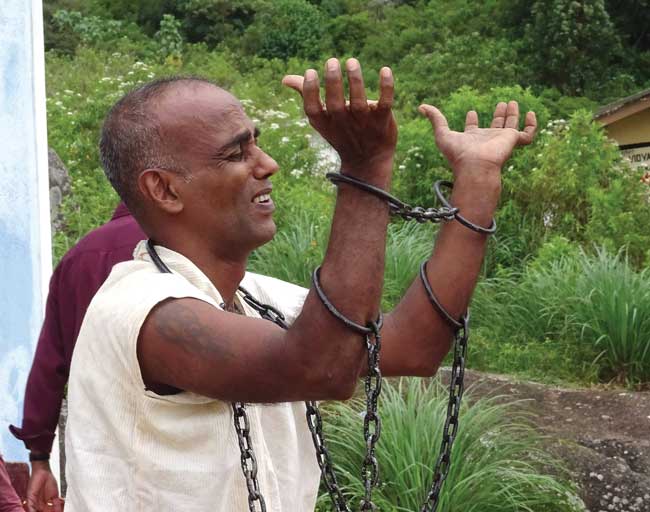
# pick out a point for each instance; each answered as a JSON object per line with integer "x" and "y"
{"x": 59, "y": 187}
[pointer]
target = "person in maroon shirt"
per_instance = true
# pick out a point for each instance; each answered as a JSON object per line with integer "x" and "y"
{"x": 9, "y": 500}
{"x": 81, "y": 272}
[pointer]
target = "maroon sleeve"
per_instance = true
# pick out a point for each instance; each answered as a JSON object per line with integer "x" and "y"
{"x": 72, "y": 287}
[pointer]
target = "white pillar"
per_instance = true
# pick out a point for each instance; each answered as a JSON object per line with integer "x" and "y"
{"x": 25, "y": 246}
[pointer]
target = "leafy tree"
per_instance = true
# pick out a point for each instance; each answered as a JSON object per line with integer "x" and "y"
{"x": 146, "y": 13}
{"x": 286, "y": 28}
{"x": 572, "y": 43}
{"x": 349, "y": 33}
{"x": 465, "y": 60}
{"x": 212, "y": 21}
{"x": 632, "y": 17}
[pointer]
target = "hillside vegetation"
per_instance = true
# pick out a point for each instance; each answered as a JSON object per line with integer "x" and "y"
{"x": 564, "y": 296}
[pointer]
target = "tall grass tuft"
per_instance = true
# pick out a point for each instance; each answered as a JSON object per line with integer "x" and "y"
{"x": 407, "y": 245}
{"x": 497, "y": 461}
{"x": 595, "y": 305}
{"x": 295, "y": 251}
{"x": 299, "y": 247}
{"x": 613, "y": 311}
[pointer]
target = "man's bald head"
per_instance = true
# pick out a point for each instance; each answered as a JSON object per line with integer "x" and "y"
{"x": 133, "y": 136}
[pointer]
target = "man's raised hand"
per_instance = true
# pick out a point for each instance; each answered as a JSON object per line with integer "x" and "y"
{"x": 363, "y": 132}
{"x": 481, "y": 148}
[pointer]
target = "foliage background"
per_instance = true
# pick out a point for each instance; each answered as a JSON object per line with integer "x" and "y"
{"x": 567, "y": 200}
{"x": 564, "y": 296}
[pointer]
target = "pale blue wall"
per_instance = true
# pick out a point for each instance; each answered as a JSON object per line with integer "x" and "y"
{"x": 24, "y": 237}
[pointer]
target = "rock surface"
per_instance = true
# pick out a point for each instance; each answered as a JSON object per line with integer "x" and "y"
{"x": 59, "y": 187}
{"x": 603, "y": 435}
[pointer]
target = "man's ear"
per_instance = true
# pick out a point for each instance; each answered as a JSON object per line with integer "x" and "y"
{"x": 160, "y": 187}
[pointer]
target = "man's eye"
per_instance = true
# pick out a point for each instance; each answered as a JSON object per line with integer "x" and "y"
{"x": 237, "y": 157}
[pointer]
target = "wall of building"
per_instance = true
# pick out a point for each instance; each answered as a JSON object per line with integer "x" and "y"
{"x": 25, "y": 250}
{"x": 634, "y": 129}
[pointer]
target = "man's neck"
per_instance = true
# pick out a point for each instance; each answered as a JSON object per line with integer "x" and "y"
{"x": 224, "y": 272}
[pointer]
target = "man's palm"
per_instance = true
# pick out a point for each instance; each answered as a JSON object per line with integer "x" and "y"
{"x": 485, "y": 146}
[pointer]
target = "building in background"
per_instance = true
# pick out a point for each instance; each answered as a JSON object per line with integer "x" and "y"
{"x": 627, "y": 121}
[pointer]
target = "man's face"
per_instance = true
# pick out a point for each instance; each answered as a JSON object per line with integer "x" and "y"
{"x": 227, "y": 199}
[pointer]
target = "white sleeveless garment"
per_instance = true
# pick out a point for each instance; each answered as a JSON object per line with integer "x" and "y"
{"x": 131, "y": 450}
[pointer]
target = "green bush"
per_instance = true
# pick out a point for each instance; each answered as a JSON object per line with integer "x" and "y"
{"x": 575, "y": 184}
{"x": 286, "y": 28}
{"x": 498, "y": 463}
{"x": 214, "y": 21}
{"x": 169, "y": 38}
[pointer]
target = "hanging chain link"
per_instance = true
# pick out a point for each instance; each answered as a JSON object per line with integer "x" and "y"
{"x": 248, "y": 460}
{"x": 315, "y": 424}
{"x": 314, "y": 418}
{"x": 450, "y": 429}
{"x": 371, "y": 420}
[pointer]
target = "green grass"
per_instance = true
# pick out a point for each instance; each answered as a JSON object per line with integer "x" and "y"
{"x": 498, "y": 460}
{"x": 300, "y": 243}
{"x": 583, "y": 317}
{"x": 612, "y": 308}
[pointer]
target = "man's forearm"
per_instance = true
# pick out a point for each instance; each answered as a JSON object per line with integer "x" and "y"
{"x": 416, "y": 336}
{"x": 353, "y": 266}
{"x": 352, "y": 278}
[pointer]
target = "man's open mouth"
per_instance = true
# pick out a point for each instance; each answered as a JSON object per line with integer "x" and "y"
{"x": 262, "y": 198}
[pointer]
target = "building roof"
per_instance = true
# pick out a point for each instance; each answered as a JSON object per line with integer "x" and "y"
{"x": 624, "y": 107}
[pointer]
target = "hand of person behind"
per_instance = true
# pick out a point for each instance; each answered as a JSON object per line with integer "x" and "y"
{"x": 42, "y": 490}
{"x": 363, "y": 132}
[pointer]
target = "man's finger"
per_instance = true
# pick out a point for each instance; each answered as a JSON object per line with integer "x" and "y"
{"x": 528, "y": 134}
{"x": 438, "y": 121}
{"x": 512, "y": 115}
{"x": 294, "y": 82}
{"x": 311, "y": 93}
{"x": 358, "y": 100}
{"x": 334, "y": 96}
{"x": 499, "y": 118}
{"x": 386, "y": 89}
{"x": 471, "y": 120}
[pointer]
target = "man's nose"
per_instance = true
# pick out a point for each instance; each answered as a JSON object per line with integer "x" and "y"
{"x": 266, "y": 165}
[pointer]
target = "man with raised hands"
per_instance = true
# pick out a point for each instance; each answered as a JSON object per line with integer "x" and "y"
{"x": 171, "y": 340}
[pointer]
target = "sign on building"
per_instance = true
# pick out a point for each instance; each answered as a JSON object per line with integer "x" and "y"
{"x": 638, "y": 154}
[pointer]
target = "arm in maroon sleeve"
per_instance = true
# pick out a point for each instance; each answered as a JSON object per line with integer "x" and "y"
{"x": 72, "y": 287}
{"x": 74, "y": 283}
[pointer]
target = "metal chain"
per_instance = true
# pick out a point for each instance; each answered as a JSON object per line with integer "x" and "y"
{"x": 371, "y": 421}
{"x": 450, "y": 429}
{"x": 422, "y": 215}
{"x": 397, "y": 207}
{"x": 315, "y": 424}
{"x": 314, "y": 417}
{"x": 248, "y": 460}
{"x": 242, "y": 424}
